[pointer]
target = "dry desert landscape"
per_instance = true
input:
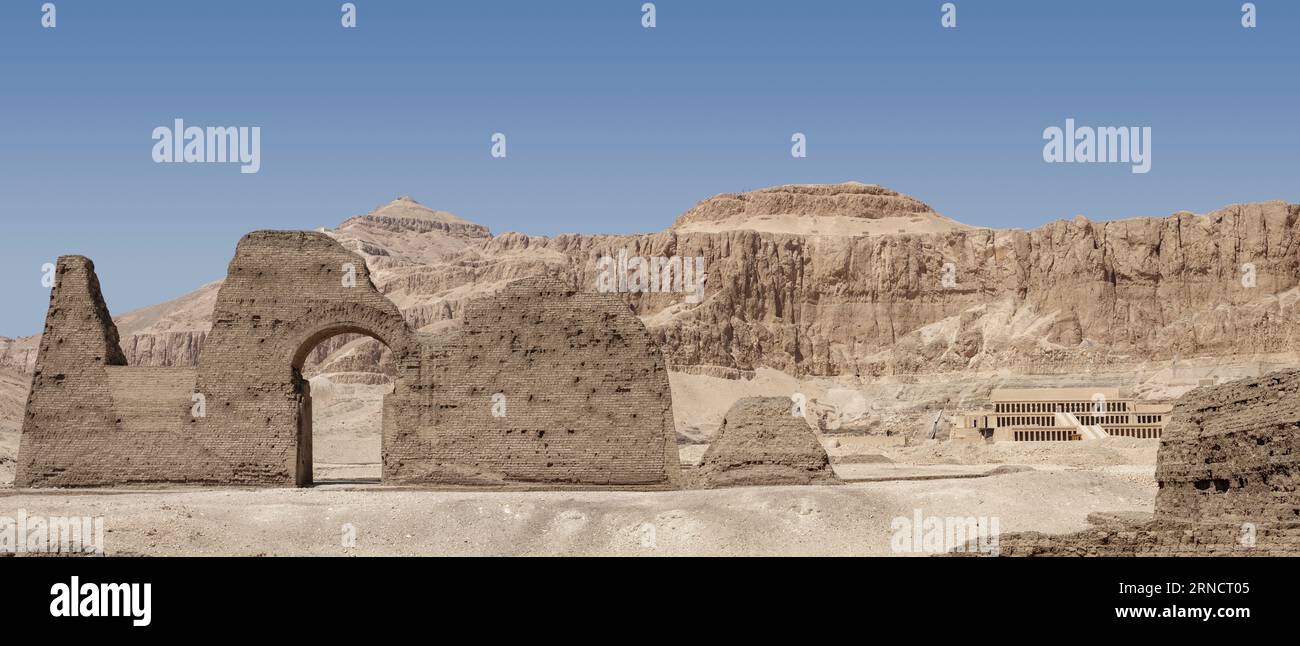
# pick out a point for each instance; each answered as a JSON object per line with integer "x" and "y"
{"x": 886, "y": 317}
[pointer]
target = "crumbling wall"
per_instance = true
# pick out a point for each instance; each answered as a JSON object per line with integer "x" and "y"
{"x": 90, "y": 419}
{"x": 583, "y": 389}
{"x": 1231, "y": 453}
{"x": 761, "y": 443}
{"x": 538, "y": 383}
{"x": 1157, "y": 539}
{"x": 285, "y": 291}
{"x": 69, "y": 414}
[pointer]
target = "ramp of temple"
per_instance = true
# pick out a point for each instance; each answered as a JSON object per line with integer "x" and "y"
{"x": 539, "y": 385}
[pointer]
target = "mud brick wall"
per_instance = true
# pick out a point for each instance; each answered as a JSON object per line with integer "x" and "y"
{"x": 586, "y": 394}
{"x": 1155, "y": 539}
{"x": 761, "y": 443}
{"x": 69, "y": 415}
{"x": 285, "y": 291}
{"x": 90, "y": 419}
{"x": 1231, "y": 453}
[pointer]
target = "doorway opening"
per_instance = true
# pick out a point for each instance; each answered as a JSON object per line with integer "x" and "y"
{"x": 341, "y": 378}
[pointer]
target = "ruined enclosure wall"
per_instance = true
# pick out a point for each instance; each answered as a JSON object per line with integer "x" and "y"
{"x": 284, "y": 292}
{"x": 761, "y": 443}
{"x": 90, "y": 419}
{"x": 587, "y": 400}
{"x": 69, "y": 417}
{"x": 1231, "y": 453}
{"x": 586, "y": 396}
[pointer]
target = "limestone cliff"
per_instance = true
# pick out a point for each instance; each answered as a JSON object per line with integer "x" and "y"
{"x": 848, "y": 279}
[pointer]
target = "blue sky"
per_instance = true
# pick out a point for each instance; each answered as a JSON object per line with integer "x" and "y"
{"x": 612, "y": 128}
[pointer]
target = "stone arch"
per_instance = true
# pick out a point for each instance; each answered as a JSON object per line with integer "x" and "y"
{"x": 284, "y": 292}
{"x": 587, "y": 387}
{"x": 326, "y": 322}
{"x": 350, "y": 318}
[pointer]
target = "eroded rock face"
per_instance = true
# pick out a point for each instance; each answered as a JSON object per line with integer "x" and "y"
{"x": 761, "y": 443}
{"x": 1068, "y": 294}
{"x": 171, "y": 333}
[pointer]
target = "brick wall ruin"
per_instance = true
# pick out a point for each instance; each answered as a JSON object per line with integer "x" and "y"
{"x": 1232, "y": 454}
{"x": 761, "y": 443}
{"x": 586, "y": 396}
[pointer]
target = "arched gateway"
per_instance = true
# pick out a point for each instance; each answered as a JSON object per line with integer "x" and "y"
{"x": 538, "y": 384}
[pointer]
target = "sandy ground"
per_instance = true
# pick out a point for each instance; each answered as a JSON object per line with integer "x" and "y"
{"x": 346, "y": 440}
{"x": 851, "y": 519}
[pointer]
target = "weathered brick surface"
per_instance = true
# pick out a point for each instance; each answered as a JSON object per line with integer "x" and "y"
{"x": 284, "y": 292}
{"x": 587, "y": 396}
{"x": 586, "y": 393}
{"x": 1232, "y": 453}
{"x": 69, "y": 415}
{"x": 1158, "y": 539}
{"x": 761, "y": 443}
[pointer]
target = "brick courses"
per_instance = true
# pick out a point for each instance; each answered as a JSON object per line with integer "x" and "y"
{"x": 761, "y": 443}
{"x": 586, "y": 390}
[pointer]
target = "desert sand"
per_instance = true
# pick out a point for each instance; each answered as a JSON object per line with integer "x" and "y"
{"x": 851, "y": 519}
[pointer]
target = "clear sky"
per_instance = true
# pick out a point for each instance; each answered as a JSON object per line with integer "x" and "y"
{"x": 611, "y": 127}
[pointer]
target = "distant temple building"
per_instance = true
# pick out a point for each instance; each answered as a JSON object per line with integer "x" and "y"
{"x": 1060, "y": 415}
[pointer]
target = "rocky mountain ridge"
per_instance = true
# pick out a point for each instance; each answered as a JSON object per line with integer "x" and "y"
{"x": 921, "y": 294}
